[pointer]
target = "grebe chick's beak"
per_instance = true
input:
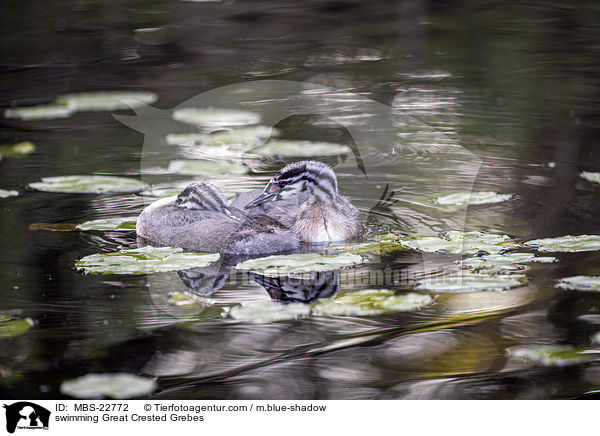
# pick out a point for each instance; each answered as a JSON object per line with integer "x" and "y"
{"x": 269, "y": 194}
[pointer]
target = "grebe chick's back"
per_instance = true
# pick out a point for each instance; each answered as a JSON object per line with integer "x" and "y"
{"x": 199, "y": 218}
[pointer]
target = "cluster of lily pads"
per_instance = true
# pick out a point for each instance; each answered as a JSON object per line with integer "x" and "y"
{"x": 243, "y": 134}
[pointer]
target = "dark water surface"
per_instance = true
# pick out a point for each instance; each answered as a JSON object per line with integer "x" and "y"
{"x": 503, "y": 96}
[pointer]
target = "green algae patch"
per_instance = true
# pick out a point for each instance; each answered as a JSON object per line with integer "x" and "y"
{"x": 41, "y": 112}
{"x": 383, "y": 244}
{"x": 555, "y": 355}
{"x": 109, "y": 385}
{"x": 88, "y": 184}
{"x": 299, "y": 263}
{"x": 115, "y": 224}
{"x": 268, "y": 311}
{"x": 473, "y": 198}
{"x": 300, "y": 149}
{"x": 371, "y": 302}
{"x": 580, "y": 283}
{"x": 16, "y": 150}
{"x": 474, "y": 283}
{"x": 144, "y": 260}
{"x": 11, "y": 328}
{"x": 6, "y": 193}
{"x": 590, "y": 176}
{"x": 215, "y": 117}
{"x": 567, "y": 244}
{"x": 107, "y": 100}
{"x": 200, "y": 167}
{"x": 498, "y": 263}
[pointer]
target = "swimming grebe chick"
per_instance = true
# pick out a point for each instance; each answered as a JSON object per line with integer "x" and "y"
{"x": 304, "y": 197}
{"x": 199, "y": 218}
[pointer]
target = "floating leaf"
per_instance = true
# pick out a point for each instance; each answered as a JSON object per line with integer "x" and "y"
{"x": 111, "y": 385}
{"x": 462, "y": 198}
{"x": 52, "y": 227}
{"x": 494, "y": 263}
{"x": 591, "y": 177}
{"x": 371, "y": 302}
{"x": 40, "y": 112}
{"x": 382, "y": 244}
{"x": 107, "y": 100}
{"x": 213, "y": 117}
{"x": 555, "y": 355}
{"x": 199, "y": 167}
{"x": 4, "y": 193}
{"x": 299, "y": 263}
{"x": 125, "y": 223}
{"x": 580, "y": 283}
{"x": 248, "y": 136}
{"x": 19, "y": 149}
{"x": 459, "y": 242}
{"x": 566, "y": 243}
{"x": 144, "y": 260}
{"x": 9, "y": 329}
{"x": 268, "y": 311}
{"x": 469, "y": 283}
{"x": 300, "y": 149}
{"x": 88, "y": 184}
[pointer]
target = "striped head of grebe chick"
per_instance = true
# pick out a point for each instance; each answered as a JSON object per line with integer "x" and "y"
{"x": 200, "y": 218}
{"x": 310, "y": 203}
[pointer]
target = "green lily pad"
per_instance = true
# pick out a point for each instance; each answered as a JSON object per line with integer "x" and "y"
{"x": 40, "y": 112}
{"x": 580, "y": 283}
{"x": 469, "y": 283}
{"x": 566, "y": 243}
{"x": 591, "y": 177}
{"x": 371, "y": 302}
{"x": 300, "y": 149}
{"x": 200, "y": 167}
{"x": 19, "y": 149}
{"x": 144, "y": 260}
{"x": 185, "y": 138}
{"x": 111, "y": 385}
{"x": 125, "y": 223}
{"x": 495, "y": 263}
{"x": 299, "y": 263}
{"x": 462, "y": 198}
{"x": 9, "y": 329}
{"x": 4, "y": 193}
{"x": 213, "y": 117}
{"x": 88, "y": 184}
{"x": 268, "y": 311}
{"x": 555, "y": 355}
{"x": 247, "y": 136}
{"x": 456, "y": 242}
{"x": 107, "y": 100}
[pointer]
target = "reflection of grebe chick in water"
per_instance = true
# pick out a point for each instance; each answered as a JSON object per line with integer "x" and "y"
{"x": 200, "y": 219}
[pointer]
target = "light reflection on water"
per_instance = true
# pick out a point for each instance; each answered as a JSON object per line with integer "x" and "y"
{"x": 494, "y": 109}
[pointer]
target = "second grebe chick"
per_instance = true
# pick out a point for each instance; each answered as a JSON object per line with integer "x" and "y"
{"x": 199, "y": 218}
{"x": 304, "y": 197}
